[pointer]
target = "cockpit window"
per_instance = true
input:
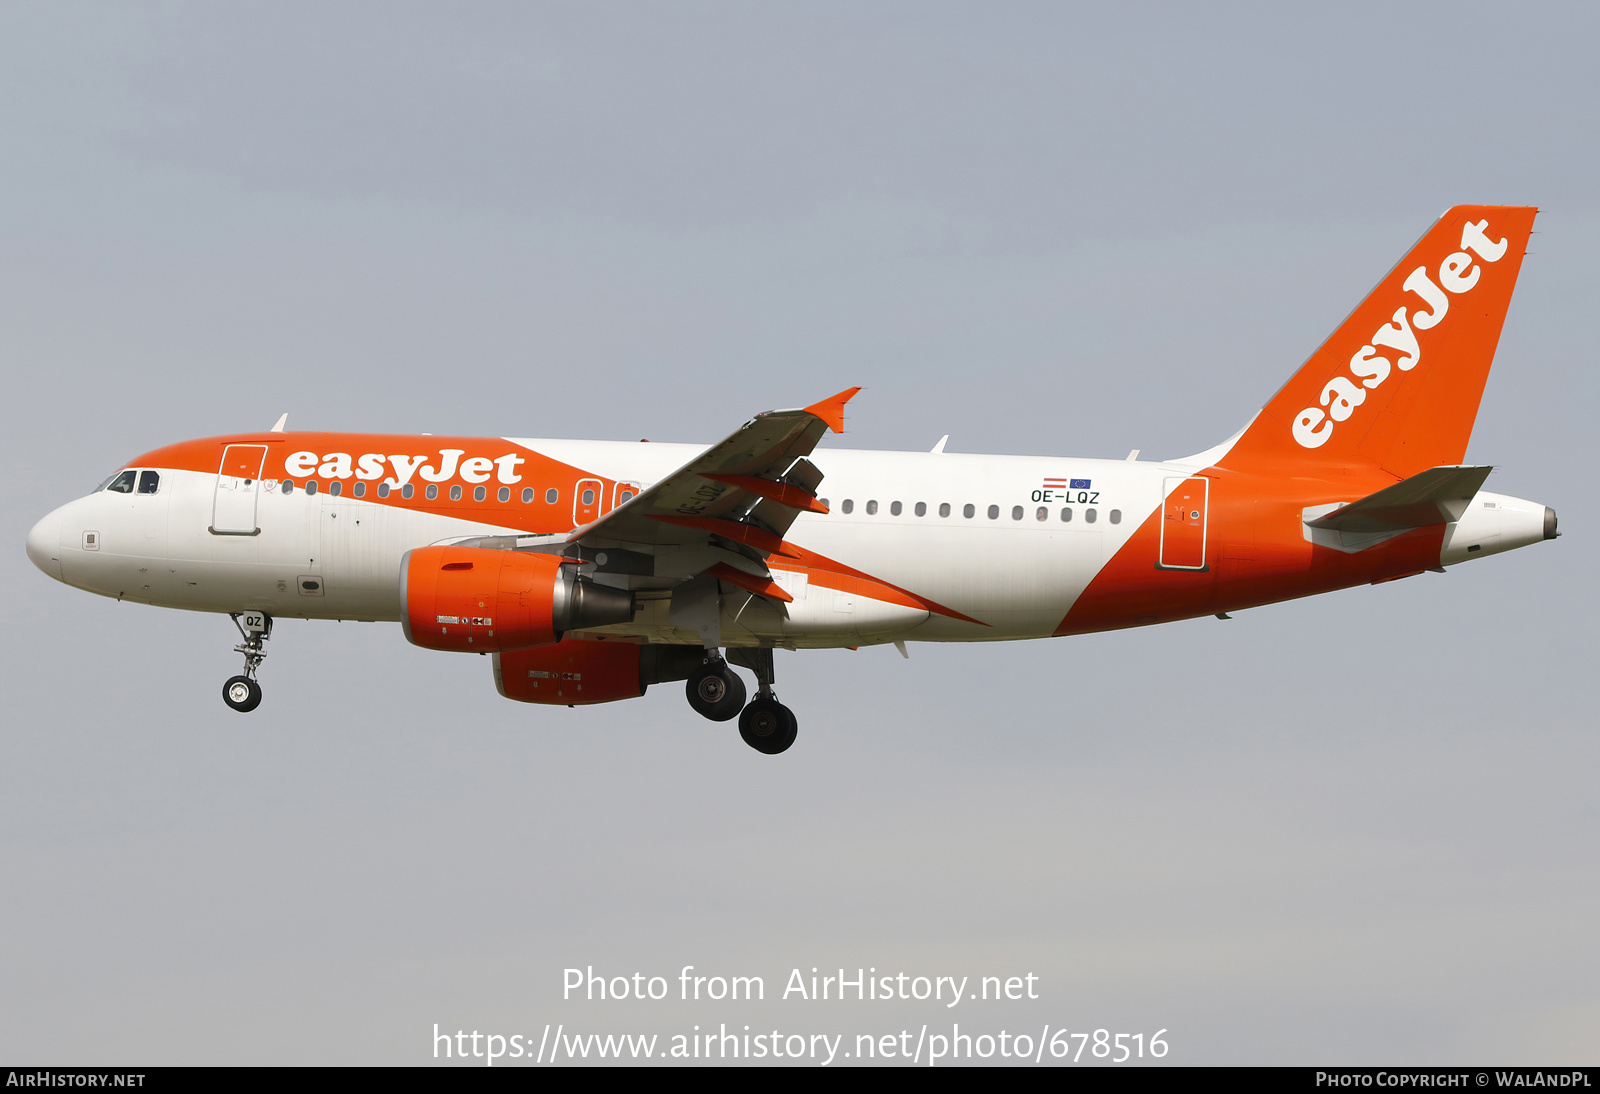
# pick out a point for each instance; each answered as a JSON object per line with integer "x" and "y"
{"x": 149, "y": 482}
{"x": 123, "y": 483}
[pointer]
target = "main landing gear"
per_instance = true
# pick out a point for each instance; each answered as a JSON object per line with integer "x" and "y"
{"x": 242, "y": 693}
{"x": 767, "y": 725}
{"x": 716, "y": 692}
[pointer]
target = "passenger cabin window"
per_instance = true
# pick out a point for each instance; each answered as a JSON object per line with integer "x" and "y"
{"x": 1088, "y": 516}
{"x": 894, "y": 509}
{"x": 1016, "y": 512}
{"x": 969, "y": 510}
{"x": 1066, "y": 516}
{"x": 994, "y": 512}
{"x": 1042, "y": 514}
{"x": 311, "y": 486}
{"x": 431, "y": 492}
{"x": 359, "y": 490}
{"x": 846, "y": 505}
{"x": 455, "y": 493}
{"x": 336, "y": 488}
{"x": 407, "y": 490}
{"x": 478, "y": 493}
{"x": 872, "y": 508}
{"x": 288, "y": 486}
{"x": 922, "y": 509}
{"x": 1116, "y": 516}
{"x": 149, "y": 482}
{"x": 383, "y": 490}
{"x": 527, "y": 494}
{"x": 505, "y": 493}
{"x": 588, "y": 496}
{"x": 944, "y": 509}
{"x": 551, "y": 496}
{"x": 123, "y": 483}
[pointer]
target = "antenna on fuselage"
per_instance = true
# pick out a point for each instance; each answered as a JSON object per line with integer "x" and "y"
{"x": 283, "y": 420}
{"x": 940, "y": 446}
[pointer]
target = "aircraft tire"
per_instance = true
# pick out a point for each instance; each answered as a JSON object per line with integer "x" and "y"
{"x": 715, "y": 691}
{"x": 768, "y": 726}
{"x": 242, "y": 693}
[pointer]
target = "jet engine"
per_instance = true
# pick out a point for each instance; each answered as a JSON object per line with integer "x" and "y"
{"x": 479, "y": 600}
{"x": 571, "y": 672}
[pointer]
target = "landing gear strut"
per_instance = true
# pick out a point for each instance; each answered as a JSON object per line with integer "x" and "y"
{"x": 766, "y": 724}
{"x": 242, "y": 693}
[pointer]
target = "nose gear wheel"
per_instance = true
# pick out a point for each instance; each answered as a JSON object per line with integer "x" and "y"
{"x": 241, "y": 692}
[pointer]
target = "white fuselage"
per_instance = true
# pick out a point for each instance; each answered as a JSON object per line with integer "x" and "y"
{"x": 323, "y": 557}
{"x": 1004, "y": 540}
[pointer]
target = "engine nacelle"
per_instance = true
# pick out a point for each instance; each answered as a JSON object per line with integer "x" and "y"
{"x": 478, "y": 600}
{"x": 572, "y": 673}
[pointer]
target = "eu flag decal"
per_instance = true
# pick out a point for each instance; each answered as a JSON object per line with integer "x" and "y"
{"x": 1080, "y": 484}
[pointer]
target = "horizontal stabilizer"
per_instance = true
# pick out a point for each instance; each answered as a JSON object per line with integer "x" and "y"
{"x": 1438, "y": 495}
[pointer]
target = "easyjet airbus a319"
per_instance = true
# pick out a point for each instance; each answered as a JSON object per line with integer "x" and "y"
{"x": 589, "y": 570}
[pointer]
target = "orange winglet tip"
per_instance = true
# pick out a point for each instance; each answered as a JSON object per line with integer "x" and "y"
{"x": 831, "y": 409}
{"x": 748, "y": 582}
{"x": 780, "y": 492}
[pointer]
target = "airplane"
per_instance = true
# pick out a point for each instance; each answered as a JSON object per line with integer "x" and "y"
{"x": 589, "y": 570}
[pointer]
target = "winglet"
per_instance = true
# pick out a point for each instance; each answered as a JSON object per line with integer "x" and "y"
{"x": 831, "y": 410}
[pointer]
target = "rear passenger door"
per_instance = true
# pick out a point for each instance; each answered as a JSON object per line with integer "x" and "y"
{"x": 1183, "y": 524}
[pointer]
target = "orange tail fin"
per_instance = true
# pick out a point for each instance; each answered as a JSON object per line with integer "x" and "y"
{"x": 1398, "y": 384}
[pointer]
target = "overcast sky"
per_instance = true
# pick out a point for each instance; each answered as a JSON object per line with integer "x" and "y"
{"x": 1359, "y": 828}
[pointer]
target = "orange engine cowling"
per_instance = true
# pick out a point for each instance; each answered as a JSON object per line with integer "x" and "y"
{"x": 478, "y": 600}
{"x": 570, "y": 673}
{"x": 575, "y": 672}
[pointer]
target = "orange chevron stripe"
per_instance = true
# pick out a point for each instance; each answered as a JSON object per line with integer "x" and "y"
{"x": 831, "y": 574}
{"x": 748, "y": 582}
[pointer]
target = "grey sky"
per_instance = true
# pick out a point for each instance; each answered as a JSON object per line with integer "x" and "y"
{"x": 1357, "y": 828}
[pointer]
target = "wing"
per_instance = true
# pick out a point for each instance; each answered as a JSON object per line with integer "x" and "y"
{"x": 728, "y": 508}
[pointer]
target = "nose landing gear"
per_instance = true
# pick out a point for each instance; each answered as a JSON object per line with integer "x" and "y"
{"x": 242, "y": 693}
